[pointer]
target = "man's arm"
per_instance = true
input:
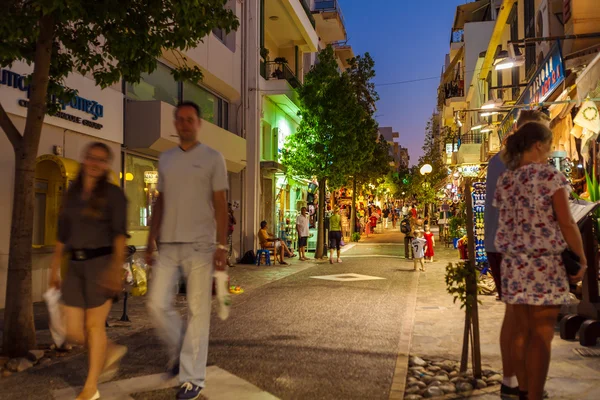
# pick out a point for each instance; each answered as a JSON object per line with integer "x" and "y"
{"x": 155, "y": 223}
{"x": 221, "y": 216}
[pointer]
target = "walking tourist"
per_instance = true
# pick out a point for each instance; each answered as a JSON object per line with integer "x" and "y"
{"x": 386, "y": 215}
{"x": 495, "y": 168}
{"x": 232, "y": 224}
{"x": 335, "y": 235}
{"x": 419, "y": 246}
{"x": 269, "y": 241}
{"x": 190, "y": 222}
{"x": 302, "y": 227}
{"x": 413, "y": 211}
{"x": 394, "y": 219}
{"x": 406, "y": 229}
{"x": 430, "y": 238}
{"x": 92, "y": 227}
{"x": 535, "y": 226}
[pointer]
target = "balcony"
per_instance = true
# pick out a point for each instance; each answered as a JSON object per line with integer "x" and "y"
{"x": 344, "y": 53}
{"x": 469, "y": 148}
{"x": 330, "y": 21}
{"x": 287, "y": 24}
{"x": 279, "y": 84}
{"x": 273, "y": 70}
{"x": 470, "y": 138}
{"x": 149, "y": 130}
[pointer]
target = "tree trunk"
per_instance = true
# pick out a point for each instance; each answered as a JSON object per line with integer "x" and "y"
{"x": 464, "y": 359}
{"x": 472, "y": 283}
{"x": 19, "y": 329}
{"x": 321, "y": 220}
{"x": 353, "y": 210}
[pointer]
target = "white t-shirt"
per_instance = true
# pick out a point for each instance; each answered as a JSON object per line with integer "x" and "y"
{"x": 302, "y": 223}
{"x": 418, "y": 245}
{"x": 187, "y": 181}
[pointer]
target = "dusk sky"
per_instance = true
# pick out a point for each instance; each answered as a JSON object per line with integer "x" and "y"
{"x": 408, "y": 40}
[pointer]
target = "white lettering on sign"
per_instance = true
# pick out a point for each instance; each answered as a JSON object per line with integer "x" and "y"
{"x": 150, "y": 176}
{"x": 469, "y": 170}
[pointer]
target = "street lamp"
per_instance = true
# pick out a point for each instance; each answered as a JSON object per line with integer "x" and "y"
{"x": 513, "y": 59}
{"x": 425, "y": 170}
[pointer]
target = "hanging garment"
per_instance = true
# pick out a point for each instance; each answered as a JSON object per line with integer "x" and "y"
{"x": 588, "y": 117}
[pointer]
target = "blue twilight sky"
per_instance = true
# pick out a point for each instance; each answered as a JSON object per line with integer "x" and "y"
{"x": 408, "y": 40}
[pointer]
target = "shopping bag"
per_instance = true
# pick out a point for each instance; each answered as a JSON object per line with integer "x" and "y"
{"x": 223, "y": 296}
{"x": 57, "y": 322}
{"x": 140, "y": 279}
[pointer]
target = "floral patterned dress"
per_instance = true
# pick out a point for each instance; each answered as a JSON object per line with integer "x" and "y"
{"x": 529, "y": 236}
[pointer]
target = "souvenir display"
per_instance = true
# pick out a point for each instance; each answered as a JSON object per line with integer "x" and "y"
{"x": 478, "y": 218}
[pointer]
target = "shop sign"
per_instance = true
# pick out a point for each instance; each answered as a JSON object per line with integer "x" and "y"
{"x": 450, "y": 148}
{"x": 546, "y": 79}
{"x": 469, "y": 170}
{"x": 151, "y": 177}
{"x": 17, "y": 81}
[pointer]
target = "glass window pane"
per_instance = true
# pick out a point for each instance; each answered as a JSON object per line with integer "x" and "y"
{"x": 208, "y": 102}
{"x": 159, "y": 85}
{"x": 140, "y": 188}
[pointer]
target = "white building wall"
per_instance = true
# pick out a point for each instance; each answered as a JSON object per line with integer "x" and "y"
{"x": 477, "y": 38}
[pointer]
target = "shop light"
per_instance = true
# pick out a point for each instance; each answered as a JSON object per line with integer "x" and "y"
{"x": 476, "y": 127}
{"x": 513, "y": 60}
{"x": 579, "y": 166}
{"x": 486, "y": 130}
{"x": 129, "y": 176}
{"x": 491, "y": 104}
{"x": 449, "y": 186}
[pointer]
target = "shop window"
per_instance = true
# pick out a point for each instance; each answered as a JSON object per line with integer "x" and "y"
{"x": 159, "y": 85}
{"x": 49, "y": 189}
{"x": 141, "y": 178}
{"x": 220, "y": 34}
{"x": 214, "y": 109}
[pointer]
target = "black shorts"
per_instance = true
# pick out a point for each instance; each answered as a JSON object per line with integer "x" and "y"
{"x": 303, "y": 241}
{"x": 495, "y": 261}
{"x": 335, "y": 240}
{"x": 81, "y": 288}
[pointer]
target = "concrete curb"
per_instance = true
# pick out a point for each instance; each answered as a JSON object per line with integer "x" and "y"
{"x": 401, "y": 370}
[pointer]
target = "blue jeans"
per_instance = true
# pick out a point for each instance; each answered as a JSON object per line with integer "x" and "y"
{"x": 189, "y": 345}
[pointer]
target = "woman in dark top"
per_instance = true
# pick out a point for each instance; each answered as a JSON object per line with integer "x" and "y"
{"x": 92, "y": 227}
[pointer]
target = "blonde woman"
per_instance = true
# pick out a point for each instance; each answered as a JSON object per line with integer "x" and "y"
{"x": 92, "y": 227}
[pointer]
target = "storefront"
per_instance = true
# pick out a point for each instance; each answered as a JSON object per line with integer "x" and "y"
{"x": 95, "y": 114}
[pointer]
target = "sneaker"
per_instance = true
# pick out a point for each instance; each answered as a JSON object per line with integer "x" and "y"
{"x": 506, "y": 392}
{"x": 189, "y": 391}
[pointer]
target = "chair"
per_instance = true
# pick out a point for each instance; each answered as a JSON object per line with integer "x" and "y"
{"x": 260, "y": 253}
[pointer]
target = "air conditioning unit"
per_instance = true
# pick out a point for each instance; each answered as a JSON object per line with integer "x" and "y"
{"x": 547, "y": 24}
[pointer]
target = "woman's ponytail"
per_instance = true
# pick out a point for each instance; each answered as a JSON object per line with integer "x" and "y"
{"x": 523, "y": 140}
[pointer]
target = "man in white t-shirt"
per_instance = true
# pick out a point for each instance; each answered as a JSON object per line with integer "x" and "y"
{"x": 190, "y": 221}
{"x": 303, "y": 232}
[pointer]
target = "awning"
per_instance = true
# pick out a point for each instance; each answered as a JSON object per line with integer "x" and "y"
{"x": 68, "y": 167}
{"x": 588, "y": 81}
{"x": 272, "y": 166}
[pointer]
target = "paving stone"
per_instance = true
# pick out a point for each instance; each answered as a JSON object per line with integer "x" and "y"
{"x": 464, "y": 387}
{"x": 495, "y": 378}
{"x": 420, "y": 369}
{"x": 434, "y": 368}
{"x": 435, "y": 383}
{"x": 481, "y": 384}
{"x": 433, "y": 392}
{"x": 35, "y": 355}
{"x": 416, "y": 361}
{"x": 441, "y": 378}
{"x": 412, "y": 390}
{"x": 448, "y": 388}
{"x": 453, "y": 374}
{"x": 427, "y": 379}
{"x": 413, "y": 397}
{"x": 411, "y": 379}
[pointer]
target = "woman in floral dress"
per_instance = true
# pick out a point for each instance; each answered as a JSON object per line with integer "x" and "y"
{"x": 535, "y": 227}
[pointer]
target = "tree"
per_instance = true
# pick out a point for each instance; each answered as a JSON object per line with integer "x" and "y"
{"x": 371, "y": 163}
{"x": 109, "y": 41}
{"x": 325, "y": 140}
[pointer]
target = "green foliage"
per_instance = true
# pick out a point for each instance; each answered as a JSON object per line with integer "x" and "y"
{"x": 593, "y": 188}
{"x": 458, "y": 276}
{"x": 455, "y": 226}
{"x": 109, "y": 40}
{"x": 355, "y": 237}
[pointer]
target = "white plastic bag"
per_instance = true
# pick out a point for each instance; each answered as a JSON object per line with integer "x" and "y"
{"x": 223, "y": 296}
{"x": 57, "y": 323}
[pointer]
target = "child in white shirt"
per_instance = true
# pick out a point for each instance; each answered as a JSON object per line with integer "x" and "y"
{"x": 419, "y": 245}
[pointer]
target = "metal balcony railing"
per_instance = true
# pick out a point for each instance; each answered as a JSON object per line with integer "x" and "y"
{"x": 279, "y": 70}
{"x": 328, "y": 6}
{"x": 308, "y": 13}
{"x": 470, "y": 138}
{"x": 455, "y": 88}
{"x": 458, "y": 36}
